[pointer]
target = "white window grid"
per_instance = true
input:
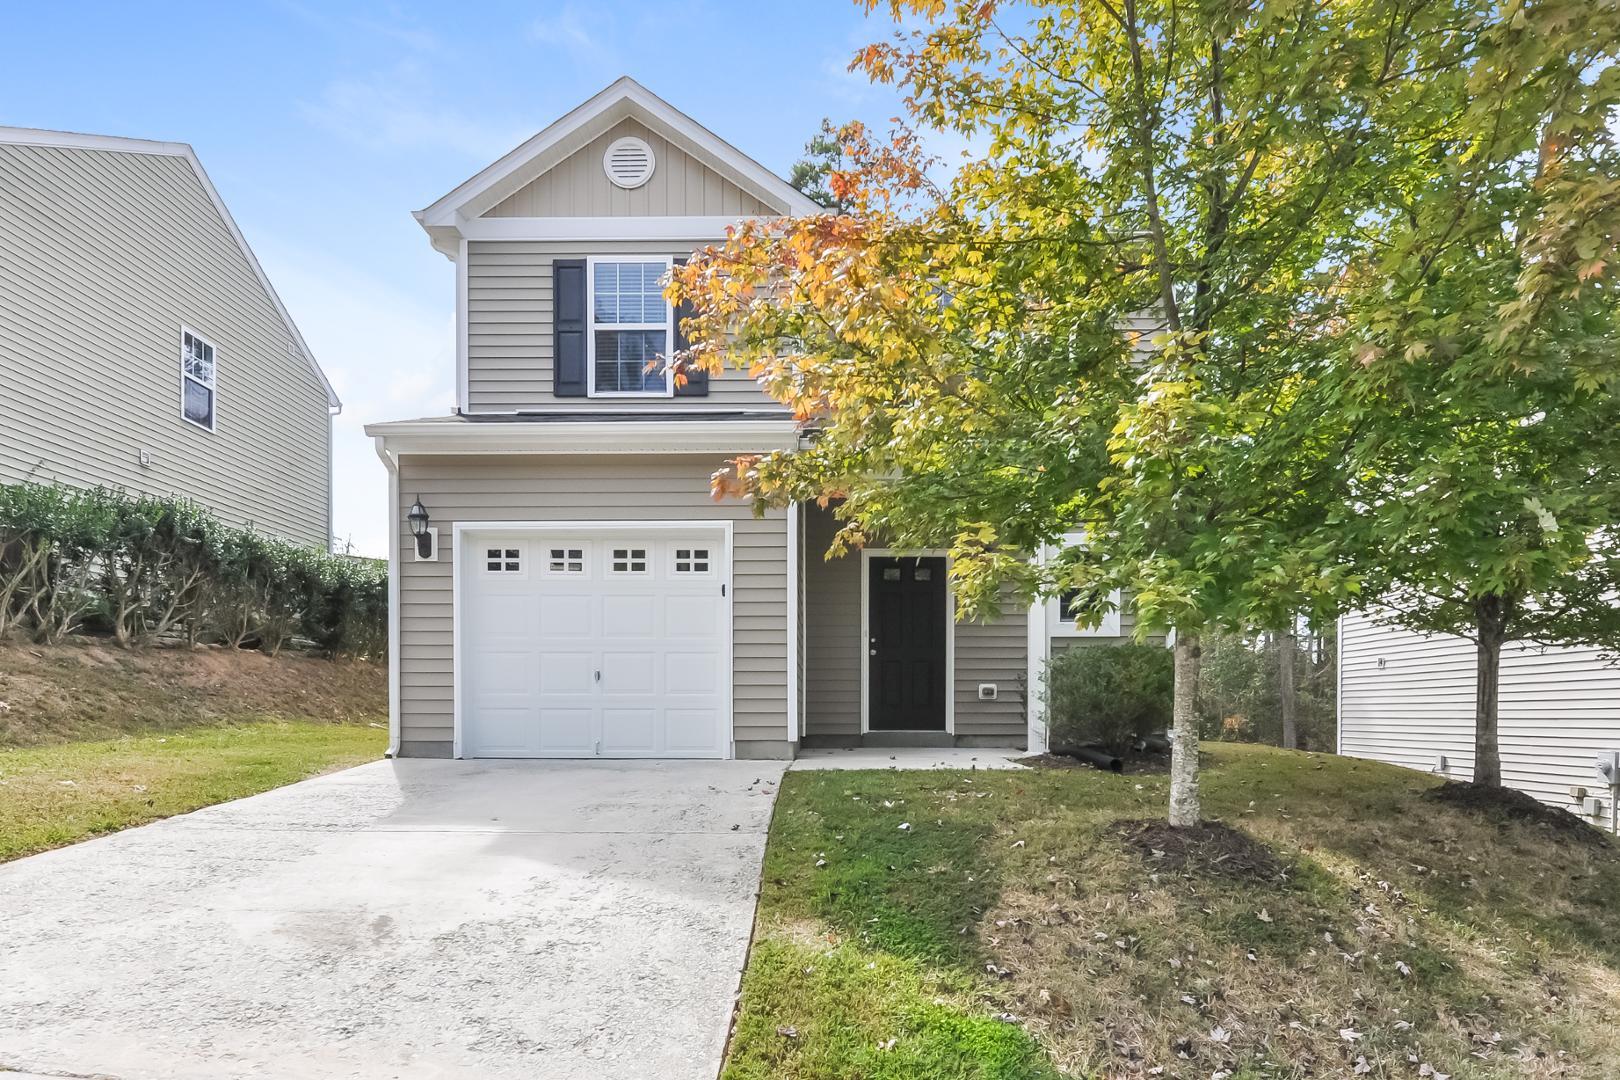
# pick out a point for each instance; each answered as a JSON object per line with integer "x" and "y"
{"x": 567, "y": 560}
{"x": 688, "y": 560}
{"x": 595, "y": 265}
{"x": 502, "y": 559}
{"x": 629, "y": 559}
{"x": 199, "y": 368}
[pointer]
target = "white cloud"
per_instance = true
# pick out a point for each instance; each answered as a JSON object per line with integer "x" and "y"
{"x": 388, "y": 355}
{"x": 567, "y": 29}
{"x": 392, "y": 111}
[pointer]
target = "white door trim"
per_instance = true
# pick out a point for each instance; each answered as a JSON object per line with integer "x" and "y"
{"x": 866, "y": 632}
{"x": 721, "y": 528}
{"x": 795, "y": 570}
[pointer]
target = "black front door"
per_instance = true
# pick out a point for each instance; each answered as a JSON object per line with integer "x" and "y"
{"x": 906, "y": 644}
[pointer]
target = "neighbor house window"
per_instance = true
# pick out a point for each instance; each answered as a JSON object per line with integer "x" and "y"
{"x": 630, "y": 327}
{"x": 1062, "y": 610}
{"x": 197, "y": 372}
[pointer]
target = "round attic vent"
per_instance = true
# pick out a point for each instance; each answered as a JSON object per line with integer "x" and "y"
{"x": 628, "y": 162}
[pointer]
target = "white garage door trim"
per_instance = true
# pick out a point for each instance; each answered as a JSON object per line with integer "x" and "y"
{"x": 463, "y": 530}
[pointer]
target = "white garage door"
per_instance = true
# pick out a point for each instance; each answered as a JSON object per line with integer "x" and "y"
{"x": 607, "y": 645}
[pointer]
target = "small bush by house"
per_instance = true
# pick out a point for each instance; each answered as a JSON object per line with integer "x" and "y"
{"x": 1108, "y": 695}
{"x": 140, "y": 567}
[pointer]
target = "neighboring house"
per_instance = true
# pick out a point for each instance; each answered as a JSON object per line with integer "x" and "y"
{"x": 142, "y": 347}
{"x": 1408, "y": 699}
{"x": 581, "y": 593}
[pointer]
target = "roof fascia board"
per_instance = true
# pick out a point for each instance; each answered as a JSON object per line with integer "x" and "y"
{"x": 710, "y": 229}
{"x": 623, "y": 98}
{"x": 116, "y": 144}
{"x": 584, "y": 437}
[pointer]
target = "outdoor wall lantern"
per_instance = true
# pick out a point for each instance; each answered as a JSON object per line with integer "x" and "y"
{"x": 418, "y": 517}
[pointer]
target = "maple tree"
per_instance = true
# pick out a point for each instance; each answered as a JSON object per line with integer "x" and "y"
{"x": 1125, "y": 316}
{"x": 1485, "y": 491}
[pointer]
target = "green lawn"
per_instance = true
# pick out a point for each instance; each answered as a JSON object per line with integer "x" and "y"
{"x": 1017, "y": 930}
{"x": 55, "y": 795}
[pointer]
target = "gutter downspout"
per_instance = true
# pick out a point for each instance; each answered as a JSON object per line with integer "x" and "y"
{"x": 391, "y": 463}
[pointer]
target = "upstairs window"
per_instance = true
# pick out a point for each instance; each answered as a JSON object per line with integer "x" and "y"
{"x": 631, "y": 327}
{"x": 197, "y": 373}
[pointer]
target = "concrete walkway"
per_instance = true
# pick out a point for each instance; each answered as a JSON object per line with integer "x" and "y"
{"x": 411, "y": 919}
{"x": 910, "y": 757}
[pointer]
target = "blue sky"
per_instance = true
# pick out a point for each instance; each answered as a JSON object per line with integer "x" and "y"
{"x": 324, "y": 126}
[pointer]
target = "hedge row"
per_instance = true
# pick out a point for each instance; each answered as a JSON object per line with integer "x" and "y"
{"x": 139, "y": 566}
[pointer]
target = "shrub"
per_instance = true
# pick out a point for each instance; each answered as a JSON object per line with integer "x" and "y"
{"x": 142, "y": 566}
{"x": 1108, "y": 695}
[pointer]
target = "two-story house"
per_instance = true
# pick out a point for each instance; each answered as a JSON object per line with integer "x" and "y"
{"x": 142, "y": 348}
{"x": 576, "y": 591}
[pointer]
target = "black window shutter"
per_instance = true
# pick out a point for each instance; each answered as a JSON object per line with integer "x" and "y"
{"x": 568, "y": 327}
{"x": 697, "y": 382}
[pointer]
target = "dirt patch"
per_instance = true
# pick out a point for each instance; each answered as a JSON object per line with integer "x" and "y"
{"x": 1505, "y": 804}
{"x": 93, "y": 690}
{"x": 1209, "y": 848}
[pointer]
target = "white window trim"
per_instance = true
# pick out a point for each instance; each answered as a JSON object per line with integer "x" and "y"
{"x": 212, "y": 386}
{"x": 590, "y": 328}
{"x": 648, "y": 560}
{"x": 691, "y": 549}
{"x": 581, "y": 546}
{"x": 524, "y": 553}
{"x": 1059, "y": 626}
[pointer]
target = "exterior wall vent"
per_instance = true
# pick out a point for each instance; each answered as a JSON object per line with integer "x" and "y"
{"x": 628, "y": 162}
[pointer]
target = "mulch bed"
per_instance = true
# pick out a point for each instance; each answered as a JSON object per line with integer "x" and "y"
{"x": 1136, "y": 762}
{"x": 1209, "y": 848}
{"x": 1509, "y": 805}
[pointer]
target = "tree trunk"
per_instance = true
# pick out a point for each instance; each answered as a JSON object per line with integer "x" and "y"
{"x": 1491, "y": 615}
{"x": 1184, "y": 808}
{"x": 1287, "y": 647}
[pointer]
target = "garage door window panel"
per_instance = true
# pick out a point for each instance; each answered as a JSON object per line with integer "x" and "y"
{"x": 567, "y": 560}
{"x": 503, "y": 560}
{"x": 629, "y": 560}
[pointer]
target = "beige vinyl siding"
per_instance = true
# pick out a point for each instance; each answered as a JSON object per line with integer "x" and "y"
{"x": 994, "y": 651}
{"x": 587, "y": 488}
{"x": 832, "y": 631}
{"x": 1560, "y": 707}
{"x": 509, "y": 339}
{"x": 680, "y": 186}
{"x": 103, "y": 255}
{"x": 997, "y": 652}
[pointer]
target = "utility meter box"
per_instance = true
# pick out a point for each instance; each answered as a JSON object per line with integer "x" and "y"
{"x": 1608, "y": 763}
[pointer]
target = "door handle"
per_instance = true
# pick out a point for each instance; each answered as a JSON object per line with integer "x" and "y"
{"x": 872, "y": 652}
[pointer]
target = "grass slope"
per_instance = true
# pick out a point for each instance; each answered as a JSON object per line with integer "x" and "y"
{"x": 1016, "y": 931}
{"x": 95, "y": 738}
{"x": 55, "y": 795}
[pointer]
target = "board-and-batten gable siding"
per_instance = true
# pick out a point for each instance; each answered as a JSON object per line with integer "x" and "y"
{"x": 509, "y": 332}
{"x": 680, "y": 186}
{"x": 593, "y": 488}
{"x": 1559, "y": 707}
{"x": 103, "y": 256}
{"x": 994, "y": 651}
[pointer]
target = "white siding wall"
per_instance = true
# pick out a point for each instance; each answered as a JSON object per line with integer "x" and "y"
{"x": 103, "y": 255}
{"x": 1560, "y": 707}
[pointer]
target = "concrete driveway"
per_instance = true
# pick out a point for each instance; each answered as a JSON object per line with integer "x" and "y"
{"x": 403, "y": 919}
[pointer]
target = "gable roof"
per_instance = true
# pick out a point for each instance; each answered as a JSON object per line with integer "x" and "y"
{"x": 73, "y": 140}
{"x": 623, "y": 98}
